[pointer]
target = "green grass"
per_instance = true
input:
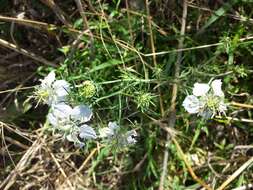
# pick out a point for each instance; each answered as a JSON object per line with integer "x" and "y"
{"x": 129, "y": 88}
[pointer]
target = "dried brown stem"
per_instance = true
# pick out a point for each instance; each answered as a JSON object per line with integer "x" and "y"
{"x": 235, "y": 174}
{"x": 22, "y": 164}
{"x": 241, "y": 105}
{"x": 26, "y": 53}
{"x": 58, "y": 11}
{"x": 194, "y": 176}
{"x": 172, "y": 109}
{"x": 154, "y": 55}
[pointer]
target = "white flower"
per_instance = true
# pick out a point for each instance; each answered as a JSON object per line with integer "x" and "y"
{"x": 67, "y": 121}
{"x": 207, "y": 100}
{"x": 59, "y": 114}
{"x": 108, "y": 131}
{"x": 200, "y": 89}
{"x": 131, "y": 135}
{"x": 48, "y": 80}
{"x": 216, "y": 87}
{"x": 81, "y": 113}
{"x": 87, "y": 132}
{"x": 114, "y": 134}
{"x": 52, "y": 91}
{"x": 61, "y": 89}
{"x": 191, "y": 104}
{"x": 62, "y": 110}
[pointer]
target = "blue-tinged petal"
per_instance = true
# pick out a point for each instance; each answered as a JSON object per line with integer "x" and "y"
{"x": 87, "y": 132}
{"x": 113, "y": 125}
{"x": 48, "y": 80}
{"x": 52, "y": 119}
{"x": 61, "y": 110}
{"x": 192, "y": 104}
{"x": 61, "y": 88}
{"x": 131, "y": 135}
{"x": 82, "y": 113}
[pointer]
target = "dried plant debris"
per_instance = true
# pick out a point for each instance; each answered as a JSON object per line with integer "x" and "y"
{"x": 126, "y": 95}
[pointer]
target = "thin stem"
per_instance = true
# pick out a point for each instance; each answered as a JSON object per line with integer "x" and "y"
{"x": 172, "y": 109}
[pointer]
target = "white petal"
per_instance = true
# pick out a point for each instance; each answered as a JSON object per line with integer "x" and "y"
{"x": 62, "y": 110}
{"x": 131, "y": 137}
{"x": 200, "y": 89}
{"x": 222, "y": 108}
{"x": 61, "y": 88}
{"x": 48, "y": 80}
{"x": 206, "y": 114}
{"x": 113, "y": 125}
{"x": 65, "y": 127}
{"x": 87, "y": 132}
{"x": 216, "y": 86}
{"x": 72, "y": 137}
{"x": 52, "y": 119}
{"x": 192, "y": 104}
{"x": 82, "y": 113}
{"x": 106, "y": 132}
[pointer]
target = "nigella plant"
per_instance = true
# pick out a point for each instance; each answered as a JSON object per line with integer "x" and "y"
{"x": 71, "y": 122}
{"x": 114, "y": 134}
{"x": 52, "y": 91}
{"x": 207, "y": 100}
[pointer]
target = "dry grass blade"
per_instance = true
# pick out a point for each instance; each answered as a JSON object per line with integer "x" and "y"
{"x": 244, "y": 187}
{"x": 58, "y": 11}
{"x": 194, "y": 176}
{"x": 241, "y": 105}
{"x": 60, "y": 168}
{"x": 172, "y": 110}
{"x": 26, "y": 53}
{"x": 154, "y": 55}
{"x": 22, "y": 164}
{"x": 236, "y": 174}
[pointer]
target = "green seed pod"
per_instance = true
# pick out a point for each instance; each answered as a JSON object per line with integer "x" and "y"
{"x": 88, "y": 89}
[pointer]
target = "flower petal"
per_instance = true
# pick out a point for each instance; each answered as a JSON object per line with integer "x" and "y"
{"x": 48, "y": 80}
{"x": 106, "y": 132}
{"x": 52, "y": 120}
{"x": 131, "y": 135}
{"x": 113, "y": 125}
{"x": 82, "y": 113}
{"x": 87, "y": 132}
{"x": 200, "y": 89}
{"x": 72, "y": 137}
{"x": 192, "y": 104}
{"x": 206, "y": 114}
{"x": 61, "y": 88}
{"x": 61, "y": 110}
{"x": 222, "y": 108}
{"x": 216, "y": 86}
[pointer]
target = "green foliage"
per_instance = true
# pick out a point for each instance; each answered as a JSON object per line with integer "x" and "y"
{"x": 114, "y": 71}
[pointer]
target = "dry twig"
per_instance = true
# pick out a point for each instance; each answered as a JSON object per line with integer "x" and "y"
{"x": 172, "y": 110}
{"x": 26, "y": 53}
{"x": 235, "y": 174}
{"x": 22, "y": 164}
{"x": 58, "y": 11}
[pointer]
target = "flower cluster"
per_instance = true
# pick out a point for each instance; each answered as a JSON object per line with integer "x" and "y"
{"x": 113, "y": 133}
{"x": 71, "y": 122}
{"x": 52, "y": 91}
{"x": 207, "y": 100}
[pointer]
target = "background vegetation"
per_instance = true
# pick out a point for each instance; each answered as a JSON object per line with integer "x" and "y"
{"x": 143, "y": 58}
